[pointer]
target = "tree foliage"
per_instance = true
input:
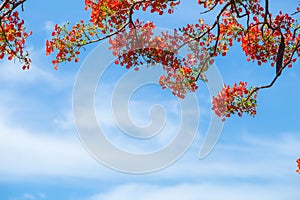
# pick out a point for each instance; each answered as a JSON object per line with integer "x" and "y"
{"x": 265, "y": 38}
{"x": 12, "y": 32}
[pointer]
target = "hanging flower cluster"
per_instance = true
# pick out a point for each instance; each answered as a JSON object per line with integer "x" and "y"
{"x": 237, "y": 99}
{"x": 68, "y": 43}
{"x": 13, "y": 37}
{"x": 262, "y": 40}
{"x": 263, "y": 36}
{"x": 139, "y": 45}
{"x": 108, "y": 18}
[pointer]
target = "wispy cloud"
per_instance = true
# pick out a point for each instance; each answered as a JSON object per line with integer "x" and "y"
{"x": 52, "y": 153}
{"x": 188, "y": 191}
{"x": 34, "y": 154}
{"x": 41, "y": 73}
{"x": 41, "y": 155}
{"x": 30, "y": 196}
{"x": 13, "y": 73}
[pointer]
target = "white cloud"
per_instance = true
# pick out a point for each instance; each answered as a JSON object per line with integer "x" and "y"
{"x": 28, "y": 154}
{"x": 246, "y": 157}
{"x": 216, "y": 191}
{"x": 40, "y": 72}
{"x": 28, "y": 197}
{"x": 13, "y": 72}
{"x": 34, "y": 155}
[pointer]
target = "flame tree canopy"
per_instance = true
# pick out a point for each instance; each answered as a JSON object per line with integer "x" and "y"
{"x": 265, "y": 38}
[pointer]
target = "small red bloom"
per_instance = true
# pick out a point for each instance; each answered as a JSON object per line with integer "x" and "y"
{"x": 298, "y": 165}
{"x": 236, "y": 99}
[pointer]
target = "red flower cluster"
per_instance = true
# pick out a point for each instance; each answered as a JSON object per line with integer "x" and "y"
{"x": 108, "y": 17}
{"x": 261, "y": 42}
{"x": 13, "y": 37}
{"x": 259, "y": 33}
{"x": 139, "y": 46}
{"x": 68, "y": 43}
{"x": 112, "y": 14}
{"x": 263, "y": 36}
{"x": 298, "y": 165}
{"x": 237, "y": 99}
{"x": 109, "y": 14}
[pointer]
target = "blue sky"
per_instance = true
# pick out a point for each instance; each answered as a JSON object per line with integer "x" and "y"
{"x": 42, "y": 157}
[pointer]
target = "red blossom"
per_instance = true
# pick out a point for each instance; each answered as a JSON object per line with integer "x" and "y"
{"x": 13, "y": 35}
{"x": 133, "y": 43}
{"x": 264, "y": 37}
{"x": 237, "y": 99}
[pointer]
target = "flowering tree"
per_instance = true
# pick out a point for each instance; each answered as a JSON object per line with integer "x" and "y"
{"x": 265, "y": 37}
{"x": 298, "y": 164}
{"x": 12, "y": 32}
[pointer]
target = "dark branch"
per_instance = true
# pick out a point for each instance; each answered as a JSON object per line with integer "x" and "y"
{"x": 280, "y": 54}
